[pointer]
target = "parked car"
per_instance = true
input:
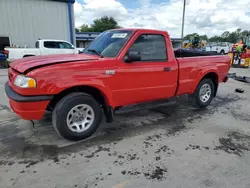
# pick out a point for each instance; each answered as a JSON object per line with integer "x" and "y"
{"x": 119, "y": 68}
{"x": 42, "y": 47}
{"x": 221, "y": 48}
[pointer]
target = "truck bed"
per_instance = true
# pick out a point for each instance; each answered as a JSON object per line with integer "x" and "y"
{"x": 192, "y": 53}
{"x": 191, "y": 70}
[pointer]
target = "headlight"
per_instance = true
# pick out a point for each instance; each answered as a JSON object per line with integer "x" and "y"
{"x": 25, "y": 82}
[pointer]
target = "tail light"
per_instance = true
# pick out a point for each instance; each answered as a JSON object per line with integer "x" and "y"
{"x": 6, "y": 52}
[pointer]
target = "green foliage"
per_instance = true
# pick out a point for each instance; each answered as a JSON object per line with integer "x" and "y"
{"x": 216, "y": 39}
{"x": 226, "y": 36}
{"x": 85, "y": 28}
{"x": 203, "y": 37}
{"x": 77, "y": 30}
{"x": 101, "y": 24}
{"x": 190, "y": 37}
{"x": 104, "y": 23}
{"x": 232, "y": 37}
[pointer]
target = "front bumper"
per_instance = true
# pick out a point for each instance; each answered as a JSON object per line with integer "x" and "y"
{"x": 27, "y": 107}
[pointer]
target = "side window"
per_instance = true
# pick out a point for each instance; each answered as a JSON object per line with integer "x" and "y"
{"x": 65, "y": 45}
{"x": 51, "y": 44}
{"x": 152, "y": 47}
{"x": 37, "y": 44}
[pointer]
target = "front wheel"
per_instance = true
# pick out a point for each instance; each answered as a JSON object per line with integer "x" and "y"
{"x": 76, "y": 116}
{"x": 203, "y": 94}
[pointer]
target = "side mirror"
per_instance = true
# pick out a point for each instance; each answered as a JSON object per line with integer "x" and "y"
{"x": 132, "y": 56}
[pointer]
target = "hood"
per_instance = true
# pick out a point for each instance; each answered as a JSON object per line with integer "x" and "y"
{"x": 24, "y": 64}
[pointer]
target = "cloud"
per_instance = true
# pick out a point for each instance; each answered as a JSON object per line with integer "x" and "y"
{"x": 91, "y": 9}
{"x": 202, "y": 16}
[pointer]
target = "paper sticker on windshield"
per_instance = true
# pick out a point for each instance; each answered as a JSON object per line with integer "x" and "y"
{"x": 119, "y": 35}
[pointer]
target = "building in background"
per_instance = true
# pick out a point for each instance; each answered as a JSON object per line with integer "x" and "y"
{"x": 84, "y": 38}
{"x": 23, "y": 22}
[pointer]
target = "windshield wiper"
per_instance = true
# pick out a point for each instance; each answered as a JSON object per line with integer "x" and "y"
{"x": 96, "y": 52}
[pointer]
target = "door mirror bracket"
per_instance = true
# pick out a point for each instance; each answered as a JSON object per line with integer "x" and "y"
{"x": 132, "y": 56}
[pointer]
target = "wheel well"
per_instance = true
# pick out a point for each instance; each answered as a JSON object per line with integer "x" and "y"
{"x": 214, "y": 77}
{"x": 94, "y": 92}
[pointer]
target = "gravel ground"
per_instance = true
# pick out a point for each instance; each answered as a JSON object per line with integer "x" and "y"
{"x": 150, "y": 145}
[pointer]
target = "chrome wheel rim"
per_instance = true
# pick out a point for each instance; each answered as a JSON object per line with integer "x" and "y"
{"x": 205, "y": 93}
{"x": 80, "y": 118}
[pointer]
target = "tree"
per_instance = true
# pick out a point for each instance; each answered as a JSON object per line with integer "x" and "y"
{"x": 245, "y": 33}
{"x": 77, "y": 30}
{"x": 85, "y": 28}
{"x": 226, "y": 36}
{"x": 216, "y": 39}
{"x": 233, "y": 37}
{"x": 238, "y": 31}
{"x": 104, "y": 23}
{"x": 101, "y": 24}
{"x": 190, "y": 36}
{"x": 203, "y": 37}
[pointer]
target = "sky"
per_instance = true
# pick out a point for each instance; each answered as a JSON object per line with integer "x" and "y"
{"x": 210, "y": 17}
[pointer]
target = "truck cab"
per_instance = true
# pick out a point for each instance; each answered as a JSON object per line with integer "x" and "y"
{"x": 48, "y": 47}
{"x": 42, "y": 47}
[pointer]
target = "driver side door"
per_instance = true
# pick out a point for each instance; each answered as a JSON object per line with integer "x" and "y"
{"x": 153, "y": 77}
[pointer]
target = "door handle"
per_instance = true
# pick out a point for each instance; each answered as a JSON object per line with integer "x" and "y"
{"x": 167, "y": 69}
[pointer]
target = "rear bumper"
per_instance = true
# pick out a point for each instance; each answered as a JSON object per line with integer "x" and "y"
{"x": 27, "y": 107}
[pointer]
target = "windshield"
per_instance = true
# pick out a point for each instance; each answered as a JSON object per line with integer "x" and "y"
{"x": 109, "y": 43}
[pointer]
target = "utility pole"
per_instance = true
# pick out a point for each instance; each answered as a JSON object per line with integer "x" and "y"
{"x": 183, "y": 19}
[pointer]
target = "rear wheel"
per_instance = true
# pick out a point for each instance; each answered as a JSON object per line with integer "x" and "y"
{"x": 76, "y": 116}
{"x": 203, "y": 94}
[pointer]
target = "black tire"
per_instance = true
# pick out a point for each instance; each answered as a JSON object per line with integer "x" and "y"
{"x": 195, "y": 98}
{"x": 63, "y": 107}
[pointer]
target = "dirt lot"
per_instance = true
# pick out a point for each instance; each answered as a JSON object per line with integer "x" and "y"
{"x": 163, "y": 144}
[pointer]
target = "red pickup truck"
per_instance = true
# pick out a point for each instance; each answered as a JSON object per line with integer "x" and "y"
{"x": 120, "y": 67}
